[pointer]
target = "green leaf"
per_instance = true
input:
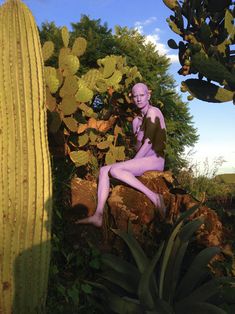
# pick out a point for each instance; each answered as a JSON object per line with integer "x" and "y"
{"x": 79, "y": 157}
{"x": 166, "y": 256}
{"x": 83, "y": 140}
{"x": 189, "y": 228}
{"x": 204, "y": 292}
{"x": 199, "y": 308}
{"x": 196, "y": 272}
{"x": 121, "y": 266}
{"x": 124, "y": 281}
{"x": 86, "y": 288}
{"x": 146, "y": 295}
{"x": 137, "y": 252}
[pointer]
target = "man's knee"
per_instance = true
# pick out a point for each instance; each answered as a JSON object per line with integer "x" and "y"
{"x": 104, "y": 170}
{"x": 115, "y": 172}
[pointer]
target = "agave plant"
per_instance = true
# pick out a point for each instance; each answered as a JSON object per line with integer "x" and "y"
{"x": 161, "y": 285}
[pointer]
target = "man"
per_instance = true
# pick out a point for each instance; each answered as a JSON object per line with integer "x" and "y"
{"x": 150, "y": 131}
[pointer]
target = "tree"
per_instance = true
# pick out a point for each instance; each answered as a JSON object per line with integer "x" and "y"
{"x": 153, "y": 67}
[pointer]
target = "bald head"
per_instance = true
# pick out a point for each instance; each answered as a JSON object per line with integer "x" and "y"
{"x": 140, "y": 86}
{"x": 141, "y": 96}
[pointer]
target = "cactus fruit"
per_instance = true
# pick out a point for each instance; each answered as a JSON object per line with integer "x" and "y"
{"x": 25, "y": 188}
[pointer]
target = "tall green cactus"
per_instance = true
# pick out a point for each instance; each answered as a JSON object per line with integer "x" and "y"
{"x": 208, "y": 35}
{"x": 25, "y": 174}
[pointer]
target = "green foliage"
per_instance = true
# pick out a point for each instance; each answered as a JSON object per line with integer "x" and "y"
{"x": 153, "y": 67}
{"x": 71, "y": 263}
{"x": 208, "y": 35}
{"x": 171, "y": 288}
{"x": 70, "y": 98}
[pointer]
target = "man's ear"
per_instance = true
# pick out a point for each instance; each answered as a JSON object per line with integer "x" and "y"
{"x": 149, "y": 93}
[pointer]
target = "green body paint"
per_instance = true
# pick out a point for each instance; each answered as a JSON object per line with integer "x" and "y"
{"x": 156, "y": 135}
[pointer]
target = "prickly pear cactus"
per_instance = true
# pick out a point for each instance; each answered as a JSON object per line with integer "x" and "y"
{"x": 25, "y": 187}
{"x": 208, "y": 34}
{"x": 92, "y": 137}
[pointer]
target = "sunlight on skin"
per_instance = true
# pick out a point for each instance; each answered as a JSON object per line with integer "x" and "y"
{"x": 146, "y": 158}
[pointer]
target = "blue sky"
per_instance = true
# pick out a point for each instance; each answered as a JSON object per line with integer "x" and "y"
{"x": 215, "y": 122}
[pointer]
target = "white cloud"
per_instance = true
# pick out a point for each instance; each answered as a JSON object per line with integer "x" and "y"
{"x": 154, "y": 38}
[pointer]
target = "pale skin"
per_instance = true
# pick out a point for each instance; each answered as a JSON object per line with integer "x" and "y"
{"x": 145, "y": 160}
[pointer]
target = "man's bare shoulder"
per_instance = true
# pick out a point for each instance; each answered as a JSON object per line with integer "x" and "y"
{"x": 154, "y": 112}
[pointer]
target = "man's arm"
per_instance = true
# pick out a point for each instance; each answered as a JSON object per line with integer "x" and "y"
{"x": 144, "y": 149}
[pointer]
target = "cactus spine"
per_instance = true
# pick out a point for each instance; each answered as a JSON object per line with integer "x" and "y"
{"x": 25, "y": 187}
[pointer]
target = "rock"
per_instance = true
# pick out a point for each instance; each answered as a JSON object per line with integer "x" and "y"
{"x": 129, "y": 205}
{"x": 83, "y": 196}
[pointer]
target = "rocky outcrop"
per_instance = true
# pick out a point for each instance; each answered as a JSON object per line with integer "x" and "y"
{"x": 129, "y": 205}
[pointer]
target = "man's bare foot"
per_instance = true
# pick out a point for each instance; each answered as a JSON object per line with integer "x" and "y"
{"x": 95, "y": 220}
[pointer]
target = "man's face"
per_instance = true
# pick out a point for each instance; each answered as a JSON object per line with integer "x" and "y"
{"x": 140, "y": 96}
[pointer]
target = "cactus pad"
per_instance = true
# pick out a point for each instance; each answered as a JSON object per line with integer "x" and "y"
{"x": 79, "y": 46}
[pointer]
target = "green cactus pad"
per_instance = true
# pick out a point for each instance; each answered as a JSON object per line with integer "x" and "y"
{"x": 79, "y": 46}
{"x": 211, "y": 68}
{"x": 84, "y": 94}
{"x": 109, "y": 66}
{"x": 119, "y": 153}
{"x": 65, "y": 36}
{"x": 83, "y": 140}
{"x": 47, "y": 50}
{"x": 174, "y": 27}
{"x": 68, "y": 105}
{"x": 109, "y": 158}
{"x": 172, "y": 44}
{"x": 50, "y": 101}
{"x": 70, "y": 86}
{"x": 114, "y": 79}
{"x": 91, "y": 77}
{"x": 88, "y": 112}
{"x": 101, "y": 85}
{"x": 206, "y": 91}
{"x": 51, "y": 79}
{"x": 171, "y": 4}
{"x": 71, "y": 124}
{"x": 80, "y": 157}
{"x": 60, "y": 77}
{"x": 93, "y": 137}
{"x": 229, "y": 24}
{"x": 69, "y": 65}
{"x": 104, "y": 145}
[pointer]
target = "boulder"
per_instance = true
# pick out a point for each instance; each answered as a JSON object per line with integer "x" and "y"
{"x": 127, "y": 205}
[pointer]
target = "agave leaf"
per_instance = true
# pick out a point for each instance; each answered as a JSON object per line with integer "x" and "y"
{"x": 126, "y": 282}
{"x": 166, "y": 256}
{"x": 123, "y": 305}
{"x": 188, "y": 230}
{"x": 199, "y": 307}
{"x": 120, "y": 265}
{"x": 145, "y": 293}
{"x": 176, "y": 258}
{"x": 204, "y": 292}
{"x": 117, "y": 304}
{"x": 187, "y": 214}
{"x": 173, "y": 270}
{"x": 138, "y": 254}
{"x": 196, "y": 272}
